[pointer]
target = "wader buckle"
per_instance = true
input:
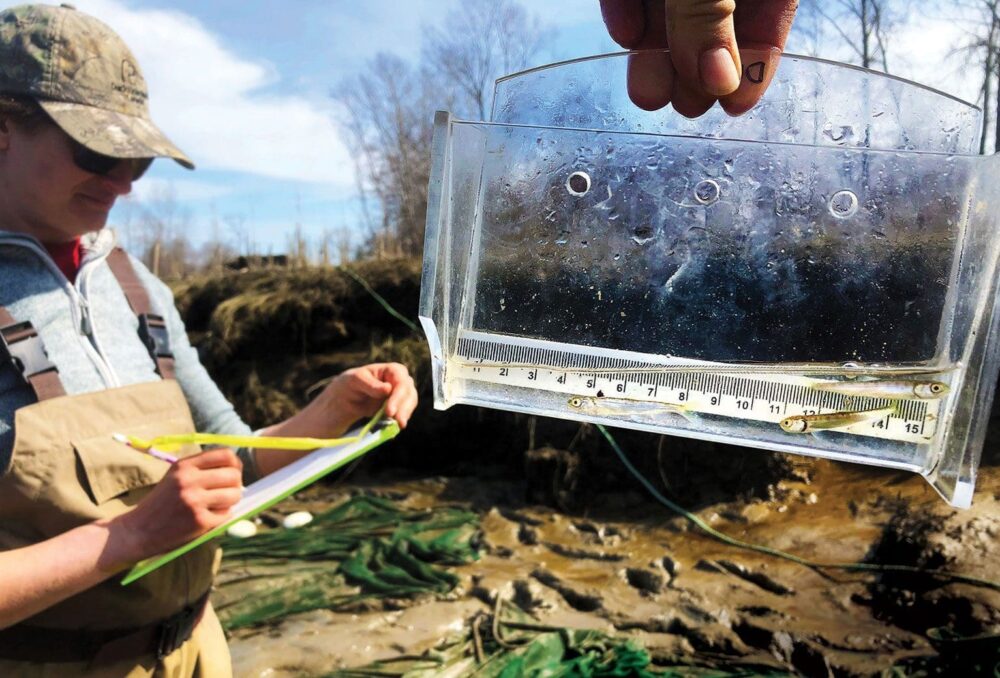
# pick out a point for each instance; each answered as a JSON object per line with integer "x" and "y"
{"x": 21, "y": 345}
{"x": 176, "y": 630}
{"x": 153, "y": 332}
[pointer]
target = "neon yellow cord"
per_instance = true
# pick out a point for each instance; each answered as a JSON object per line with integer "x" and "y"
{"x": 171, "y": 443}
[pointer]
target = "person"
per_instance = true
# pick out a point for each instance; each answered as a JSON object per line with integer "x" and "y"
{"x": 91, "y": 344}
{"x": 720, "y": 50}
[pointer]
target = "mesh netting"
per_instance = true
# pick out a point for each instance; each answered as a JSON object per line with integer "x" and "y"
{"x": 510, "y": 644}
{"x": 364, "y": 548}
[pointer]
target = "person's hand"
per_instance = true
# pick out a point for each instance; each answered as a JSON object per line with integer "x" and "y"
{"x": 194, "y": 496}
{"x": 723, "y": 50}
{"x": 358, "y": 393}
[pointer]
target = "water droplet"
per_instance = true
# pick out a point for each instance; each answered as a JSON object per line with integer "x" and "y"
{"x": 843, "y": 204}
{"x": 642, "y": 234}
{"x": 706, "y": 192}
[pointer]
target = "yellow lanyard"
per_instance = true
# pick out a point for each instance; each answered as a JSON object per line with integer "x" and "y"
{"x": 171, "y": 443}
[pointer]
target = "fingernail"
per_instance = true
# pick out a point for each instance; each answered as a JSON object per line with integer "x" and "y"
{"x": 718, "y": 72}
{"x": 759, "y": 66}
{"x": 650, "y": 79}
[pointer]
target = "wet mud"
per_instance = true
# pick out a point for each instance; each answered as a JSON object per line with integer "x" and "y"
{"x": 625, "y": 565}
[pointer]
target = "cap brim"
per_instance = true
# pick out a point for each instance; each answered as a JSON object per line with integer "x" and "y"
{"x": 113, "y": 134}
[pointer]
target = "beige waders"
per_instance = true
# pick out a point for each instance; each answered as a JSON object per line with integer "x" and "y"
{"x": 67, "y": 471}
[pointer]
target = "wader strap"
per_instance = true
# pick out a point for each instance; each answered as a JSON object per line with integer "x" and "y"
{"x": 152, "y": 327}
{"x": 36, "y": 644}
{"x": 21, "y": 346}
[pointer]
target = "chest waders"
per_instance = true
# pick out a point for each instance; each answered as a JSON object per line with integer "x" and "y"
{"x": 66, "y": 471}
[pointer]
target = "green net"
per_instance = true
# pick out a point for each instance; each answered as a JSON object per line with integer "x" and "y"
{"x": 510, "y": 644}
{"x": 364, "y": 548}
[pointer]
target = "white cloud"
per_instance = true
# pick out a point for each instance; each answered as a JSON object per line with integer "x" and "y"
{"x": 183, "y": 190}
{"x": 209, "y": 101}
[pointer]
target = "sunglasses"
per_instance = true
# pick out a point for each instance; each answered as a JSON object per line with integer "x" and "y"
{"x": 97, "y": 163}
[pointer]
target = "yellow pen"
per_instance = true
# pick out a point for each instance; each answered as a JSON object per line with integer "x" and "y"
{"x": 151, "y": 451}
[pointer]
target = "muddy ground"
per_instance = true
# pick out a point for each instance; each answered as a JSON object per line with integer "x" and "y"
{"x": 626, "y": 565}
{"x": 570, "y": 536}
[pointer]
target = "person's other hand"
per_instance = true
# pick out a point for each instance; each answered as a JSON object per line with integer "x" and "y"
{"x": 723, "y": 50}
{"x": 194, "y": 496}
{"x": 359, "y": 392}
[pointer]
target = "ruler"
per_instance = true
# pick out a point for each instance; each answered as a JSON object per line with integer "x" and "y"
{"x": 623, "y": 376}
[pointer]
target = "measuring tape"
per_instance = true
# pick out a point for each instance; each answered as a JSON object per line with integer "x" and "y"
{"x": 620, "y": 376}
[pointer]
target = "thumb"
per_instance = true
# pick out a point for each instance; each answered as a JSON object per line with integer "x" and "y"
{"x": 703, "y": 44}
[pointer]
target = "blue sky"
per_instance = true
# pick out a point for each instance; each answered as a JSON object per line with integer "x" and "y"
{"x": 243, "y": 87}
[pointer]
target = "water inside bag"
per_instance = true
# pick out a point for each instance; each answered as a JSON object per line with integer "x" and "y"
{"x": 831, "y": 252}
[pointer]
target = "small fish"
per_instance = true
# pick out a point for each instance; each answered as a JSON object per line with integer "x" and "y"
{"x": 807, "y": 423}
{"x": 600, "y": 407}
{"x": 892, "y": 389}
{"x": 848, "y": 370}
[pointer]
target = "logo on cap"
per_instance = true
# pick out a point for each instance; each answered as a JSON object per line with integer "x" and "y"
{"x": 130, "y": 78}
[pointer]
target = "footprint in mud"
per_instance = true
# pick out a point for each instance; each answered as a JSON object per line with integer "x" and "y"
{"x": 527, "y": 536}
{"x": 743, "y": 572}
{"x": 529, "y": 597}
{"x": 518, "y": 517}
{"x": 648, "y": 582}
{"x": 605, "y": 535}
{"x": 672, "y": 567}
{"x": 584, "y": 554}
{"x": 578, "y": 600}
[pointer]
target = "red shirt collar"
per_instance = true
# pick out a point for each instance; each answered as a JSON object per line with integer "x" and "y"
{"x": 67, "y": 256}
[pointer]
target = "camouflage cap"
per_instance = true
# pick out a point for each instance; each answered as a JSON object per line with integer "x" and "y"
{"x": 85, "y": 78}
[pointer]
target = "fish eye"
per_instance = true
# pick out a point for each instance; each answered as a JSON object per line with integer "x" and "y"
{"x": 575, "y": 402}
{"x": 578, "y": 183}
{"x": 936, "y": 388}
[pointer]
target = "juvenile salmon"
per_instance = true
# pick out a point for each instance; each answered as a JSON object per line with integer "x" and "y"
{"x": 892, "y": 389}
{"x": 600, "y": 407}
{"x": 807, "y": 423}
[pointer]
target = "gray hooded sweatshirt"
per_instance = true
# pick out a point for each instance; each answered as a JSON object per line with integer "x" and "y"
{"x": 91, "y": 335}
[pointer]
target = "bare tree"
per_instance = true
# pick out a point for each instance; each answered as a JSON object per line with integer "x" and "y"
{"x": 388, "y": 111}
{"x": 480, "y": 41}
{"x": 156, "y": 229}
{"x": 216, "y": 251}
{"x": 862, "y": 25}
{"x": 388, "y": 115}
{"x": 241, "y": 234}
{"x": 982, "y": 50}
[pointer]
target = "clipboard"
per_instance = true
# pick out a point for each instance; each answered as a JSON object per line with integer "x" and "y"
{"x": 275, "y": 487}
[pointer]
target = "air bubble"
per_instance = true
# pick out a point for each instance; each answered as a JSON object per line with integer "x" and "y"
{"x": 578, "y": 183}
{"x": 843, "y": 204}
{"x": 643, "y": 234}
{"x": 706, "y": 192}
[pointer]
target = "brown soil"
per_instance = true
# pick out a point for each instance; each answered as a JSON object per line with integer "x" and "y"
{"x": 626, "y": 565}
